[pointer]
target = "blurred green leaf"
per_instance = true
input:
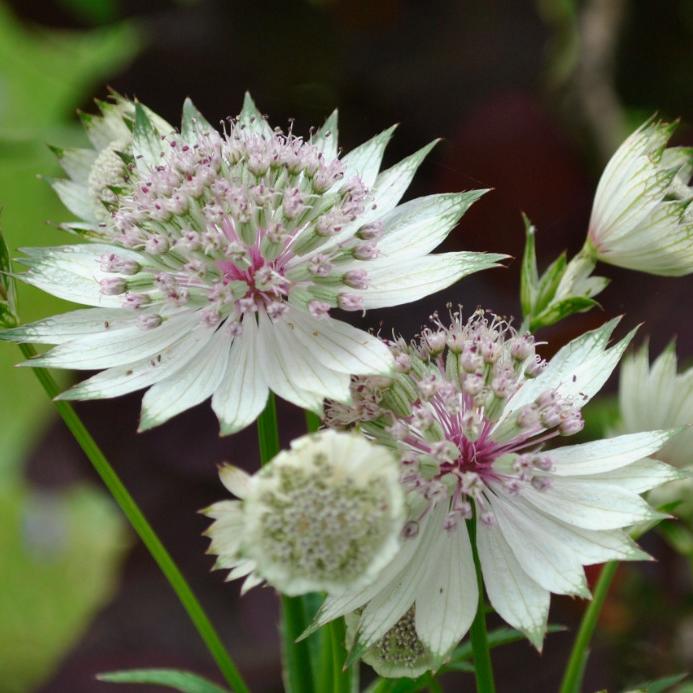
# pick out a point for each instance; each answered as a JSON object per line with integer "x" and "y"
{"x": 183, "y": 681}
{"x": 658, "y": 686}
{"x": 8, "y": 296}
{"x": 44, "y": 76}
{"x": 60, "y": 553}
{"x": 529, "y": 278}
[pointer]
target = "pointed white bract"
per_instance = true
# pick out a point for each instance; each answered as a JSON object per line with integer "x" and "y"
{"x": 642, "y": 216}
{"x": 656, "y": 396}
{"x": 469, "y": 413}
{"x": 325, "y": 515}
{"x": 214, "y": 259}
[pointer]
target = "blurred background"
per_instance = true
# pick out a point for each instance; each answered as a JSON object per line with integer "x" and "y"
{"x": 531, "y": 98}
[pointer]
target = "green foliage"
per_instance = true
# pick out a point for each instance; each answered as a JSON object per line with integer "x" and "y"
{"x": 51, "y": 543}
{"x": 8, "y": 295}
{"x": 660, "y": 685}
{"x": 178, "y": 680}
{"x": 564, "y": 289}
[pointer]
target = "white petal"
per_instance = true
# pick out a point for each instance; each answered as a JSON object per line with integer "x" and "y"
{"x": 188, "y": 387}
{"x": 147, "y": 147}
{"x": 551, "y": 564}
{"x": 278, "y": 364}
{"x": 75, "y": 196}
{"x": 418, "y": 226}
{"x": 601, "y": 456}
{"x": 252, "y": 119}
{"x": 135, "y": 376}
{"x": 447, "y": 599}
{"x": 119, "y": 346}
{"x": 340, "y": 346}
{"x": 578, "y": 370}
{"x": 392, "y": 183}
{"x": 411, "y": 280}
{"x": 193, "y": 122}
{"x": 234, "y": 479}
{"x": 66, "y": 327}
{"x": 242, "y": 394}
{"x": 76, "y": 163}
{"x": 518, "y": 600}
{"x": 387, "y": 607}
{"x": 326, "y": 138}
{"x": 590, "y": 503}
{"x": 588, "y": 546}
{"x": 364, "y": 161}
{"x": 103, "y": 130}
{"x": 641, "y": 476}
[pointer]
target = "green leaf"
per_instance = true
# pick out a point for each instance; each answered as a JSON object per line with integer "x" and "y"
{"x": 178, "y": 680}
{"x": 562, "y": 309}
{"x": 529, "y": 277}
{"x": 658, "y": 686}
{"x": 549, "y": 282}
{"x": 8, "y": 293}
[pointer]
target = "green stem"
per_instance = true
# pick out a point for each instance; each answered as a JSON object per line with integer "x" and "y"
{"x": 144, "y": 530}
{"x": 297, "y": 666}
{"x": 572, "y": 678}
{"x": 483, "y": 667}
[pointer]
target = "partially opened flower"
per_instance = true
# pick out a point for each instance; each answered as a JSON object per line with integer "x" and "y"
{"x": 642, "y": 217}
{"x": 658, "y": 397}
{"x": 325, "y": 515}
{"x": 213, "y": 262}
{"x": 469, "y": 415}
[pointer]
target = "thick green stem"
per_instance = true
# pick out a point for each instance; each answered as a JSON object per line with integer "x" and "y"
{"x": 144, "y": 530}
{"x": 572, "y": 678}
{"x": 297, "y": 666}
{"x": 483, "y": 667}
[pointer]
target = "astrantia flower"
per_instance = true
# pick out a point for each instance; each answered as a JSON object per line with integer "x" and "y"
{"x": 658, "y": 397}
{"x": 469, "y": 415}
{"x": 215, "y": 259}
{"x": 642, "y": 218}
{"x": 325, "y": 515}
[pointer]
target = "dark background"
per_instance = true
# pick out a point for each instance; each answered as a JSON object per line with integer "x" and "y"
{"x": 530, "y": 98}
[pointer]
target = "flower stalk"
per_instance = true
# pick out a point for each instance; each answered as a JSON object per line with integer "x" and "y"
{"x": 298, "y": 676}
{"x": 144, "y": 530}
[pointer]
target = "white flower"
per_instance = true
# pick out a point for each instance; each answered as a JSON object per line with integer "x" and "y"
{"x": 214, "y": 260}
{"x": 642, "y": 218}
{"x": 658, "y": 397}
{"x": 325, "y": 515}
{"x": 469, "y": 414}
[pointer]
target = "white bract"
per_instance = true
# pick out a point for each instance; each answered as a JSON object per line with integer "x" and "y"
{"x": 469, "y": 415}
{"x": 214, "y": 260}
{"x": 658, "y": 397}
{"x": 642, "y": 217}
{"x": 326, "y": 515}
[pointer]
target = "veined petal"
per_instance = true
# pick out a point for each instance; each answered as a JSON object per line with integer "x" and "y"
{"x": 387, "y": 607}
{"x": 117, "y": 347}
{"x": 75, "y": 196}
{"x": 641, "y": 476}
{"x": 412, "y": 279}
{"x": 339, "y": 346}
{"x": 67, "y": 327}
{"x": 590, "y": 503}
{"x": 193, "y": 122}
{"x": 252, "y": 119}
{"x": 418, "y": 226}
{"x": 364, "y": 161}
{"x": 392, "y": 183}
{"x": 600, "y": 456}
{"x": 191, "y": 386}
{"x": 551, "y": 564}
{"x": 277, "y": 367}
{"x": 76, "y": 163}
{"x": 146, "y": 141}
{"x": 235, "y": 480}
{"x": 130, "y": 377}
{"x": 326, "y": 139}
{"x": 518, "y": 600}
{"x": 242, "y": 393}
{"x": 447, "y": 600}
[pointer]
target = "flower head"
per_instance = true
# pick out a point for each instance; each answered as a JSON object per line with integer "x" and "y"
{"x": 215, "y": 258}
{"x": 657, "y": 397}
{"x": 325, "y": 515}
{"x": 642, "y": 218}
{"x": 469, "y": 415}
